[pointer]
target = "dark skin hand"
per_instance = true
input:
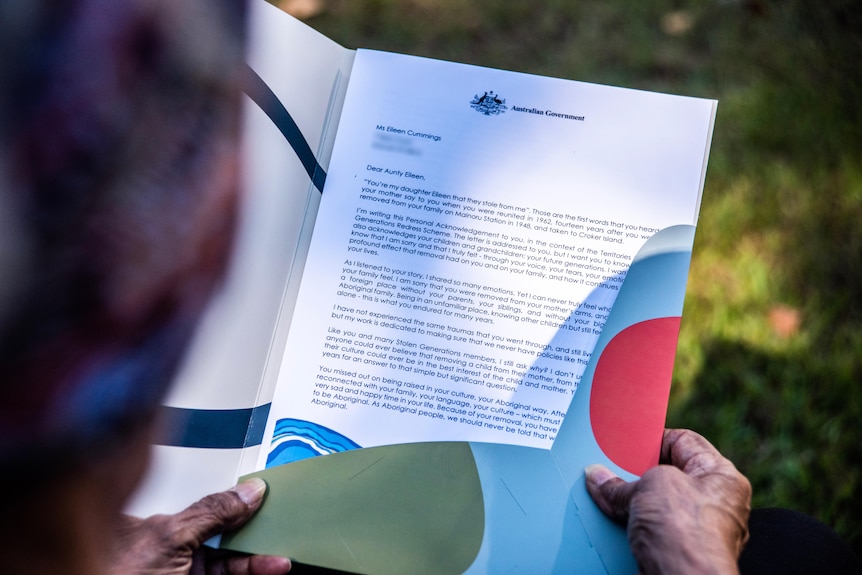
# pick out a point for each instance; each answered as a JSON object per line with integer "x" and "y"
{"x": 173, "y": 544}
{"x": 687, "y": 515}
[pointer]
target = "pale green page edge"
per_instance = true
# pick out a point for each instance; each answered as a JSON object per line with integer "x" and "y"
{"x": 384, "y": 510}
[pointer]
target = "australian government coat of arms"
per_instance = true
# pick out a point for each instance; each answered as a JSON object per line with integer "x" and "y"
{"x": 489, "y": 104}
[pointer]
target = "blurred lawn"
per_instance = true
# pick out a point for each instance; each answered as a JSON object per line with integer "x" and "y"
{"x": 770, "y": 355}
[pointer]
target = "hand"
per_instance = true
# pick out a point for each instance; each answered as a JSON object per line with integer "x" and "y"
{"x": 172, "y": 544}
{"x": 690, "y": 516}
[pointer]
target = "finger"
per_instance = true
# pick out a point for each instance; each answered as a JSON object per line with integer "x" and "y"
{"x": 612, "y": 494}
{"x": 220, "y": 512}
{"x": 691, "y": 452}
{"x": 258, "y": 565}
{"x": 241, "y": 564}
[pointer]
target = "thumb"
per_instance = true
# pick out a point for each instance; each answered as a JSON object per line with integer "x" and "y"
{"x": 612, "y": 494}
{"x": 222, "y": 511}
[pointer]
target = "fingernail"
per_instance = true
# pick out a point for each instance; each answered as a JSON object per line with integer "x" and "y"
{"x": 251, "y": 491}
{"x": 598, "y": 474}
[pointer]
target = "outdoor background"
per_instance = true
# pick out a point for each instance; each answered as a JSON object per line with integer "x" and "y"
{"x": 770, "y": 355}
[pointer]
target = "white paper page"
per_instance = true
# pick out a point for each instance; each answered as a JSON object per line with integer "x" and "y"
{"x": 465, "y": 258}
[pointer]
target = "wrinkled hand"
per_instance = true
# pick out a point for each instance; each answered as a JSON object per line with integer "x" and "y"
{"x": 687, "y": 516}
{"x": 172, "y": 544}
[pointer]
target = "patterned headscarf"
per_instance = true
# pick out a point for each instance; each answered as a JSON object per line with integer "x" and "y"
{"x": 117, "y": 125}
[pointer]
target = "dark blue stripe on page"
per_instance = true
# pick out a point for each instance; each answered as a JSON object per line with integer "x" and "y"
{"x": 266, "y": 99}
{"x": 213, "y": 428}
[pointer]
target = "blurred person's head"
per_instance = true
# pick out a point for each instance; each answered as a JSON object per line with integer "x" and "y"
{"x": 118, "y": 133}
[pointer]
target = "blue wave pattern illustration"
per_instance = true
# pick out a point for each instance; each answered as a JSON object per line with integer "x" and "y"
{"x": 296, "y": 439}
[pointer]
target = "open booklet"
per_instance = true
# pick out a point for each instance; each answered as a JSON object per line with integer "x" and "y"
{"x": 489, "y": 301}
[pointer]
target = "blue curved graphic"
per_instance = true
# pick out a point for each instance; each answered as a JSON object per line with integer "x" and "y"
{"x": 242, "y": 427}
{"x": 265, "y": 98}
{"x": 295, "y": 439}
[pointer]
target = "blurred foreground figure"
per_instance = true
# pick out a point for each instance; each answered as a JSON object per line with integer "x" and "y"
{"x": 118, "y": 189}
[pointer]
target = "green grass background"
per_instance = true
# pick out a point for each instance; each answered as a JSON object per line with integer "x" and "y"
{"x": 770, "y": 355}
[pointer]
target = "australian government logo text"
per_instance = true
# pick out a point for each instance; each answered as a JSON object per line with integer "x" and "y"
{"x": 550, "y": 113}
{"x": 491, "y": 104}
